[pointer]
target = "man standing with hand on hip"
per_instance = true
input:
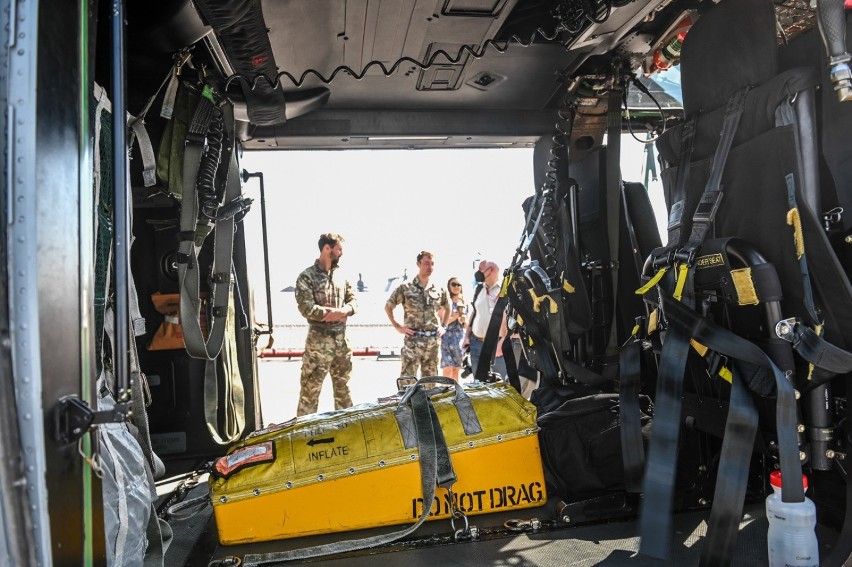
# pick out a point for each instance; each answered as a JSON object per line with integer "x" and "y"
{"x": 426, "y": 309}
{"x": 326, "y": 302}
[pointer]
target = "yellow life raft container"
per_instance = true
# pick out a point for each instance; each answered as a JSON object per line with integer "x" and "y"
{"x": 358, "y": 468}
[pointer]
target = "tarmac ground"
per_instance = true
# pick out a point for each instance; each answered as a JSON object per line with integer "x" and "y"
{"x": 372, "y": 377}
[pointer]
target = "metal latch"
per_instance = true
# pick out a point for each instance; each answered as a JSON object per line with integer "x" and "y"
{"x": 786, "y": 329}
{"x": 73, "y": 418}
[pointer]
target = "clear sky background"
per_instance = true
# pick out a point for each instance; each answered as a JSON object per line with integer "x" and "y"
{"x": 389, "y": 205}
{"x": 463, "y": 205}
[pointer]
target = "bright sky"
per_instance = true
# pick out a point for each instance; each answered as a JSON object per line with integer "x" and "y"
{"x": 462, "y": 205}
{"x": 389, "y": 205}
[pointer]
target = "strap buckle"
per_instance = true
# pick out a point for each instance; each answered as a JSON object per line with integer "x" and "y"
{"x": 220, "y": 278}
{"x": 685, "y": 255}
{"x": 786, "y": 329}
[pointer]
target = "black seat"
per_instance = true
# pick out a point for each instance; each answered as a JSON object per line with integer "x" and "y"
{"x": 760, "y": 257}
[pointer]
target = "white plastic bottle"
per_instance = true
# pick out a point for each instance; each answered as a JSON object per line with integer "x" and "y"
{"x": 791, "y": 539}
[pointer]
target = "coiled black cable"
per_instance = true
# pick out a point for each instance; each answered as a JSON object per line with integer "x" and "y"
{"x": 541, "y": 215}
{"x": 558, "y": 151}
{"x": 463, "y": 51}
{"x": 574, "y": 15}
{"x": 208, "y": 200}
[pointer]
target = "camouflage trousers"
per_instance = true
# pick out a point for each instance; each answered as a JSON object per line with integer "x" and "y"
{"x": 323, "y": 355}
{"x": 420, "y": 352}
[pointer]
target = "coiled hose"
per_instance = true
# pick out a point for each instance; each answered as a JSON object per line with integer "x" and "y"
{"x": 208, "y": 200}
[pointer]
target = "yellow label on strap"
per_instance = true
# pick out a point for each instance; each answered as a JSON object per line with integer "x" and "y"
{"x": 726, "y": 375}
{"x": 746, "y": 292}
{"x": 567, "y": 287}
{"x": 795, "y": 221}
{"x": 652, "y": 282}
{"x": 635, "y": 331}
{"x": 699, "y": 348}
{"x": 653, "y": 320}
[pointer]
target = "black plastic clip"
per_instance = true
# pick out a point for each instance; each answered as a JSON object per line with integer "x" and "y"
{"x": 73, "y": 418}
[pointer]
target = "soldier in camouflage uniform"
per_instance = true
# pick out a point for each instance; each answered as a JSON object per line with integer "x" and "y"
{"x": 326, "y": 303}
{"x": 426, "y": 309}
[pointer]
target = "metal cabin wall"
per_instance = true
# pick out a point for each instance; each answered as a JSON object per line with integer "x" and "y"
{"x": 63, "y": 183}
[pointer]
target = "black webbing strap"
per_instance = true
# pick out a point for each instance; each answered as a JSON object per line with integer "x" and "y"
{"x": 708, "y": 204}
{"x": 738, "y": 441}
{"x": 584, "y": 375}
{"x": 807, "y": 342}
{"x": 632, "y": 448}
{"x": 735, "y": 347}
{"x": 816, "y": 350}
{"x": 807, "y": 287}
{"x": 732, "y": 476}
{"x": 842, "y": 552}
{"x": 655, "y": 520}
{"x": 687, "y": 143}
{"x": 489, "y": 344}
{"x": 613, "y": 193}
{"x": 429, "y": 436}
{"x": 638, "y": 260}
{"x": 512, "y": 375}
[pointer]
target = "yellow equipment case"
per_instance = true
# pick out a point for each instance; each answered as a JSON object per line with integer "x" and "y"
{"x": 358, "y": 468}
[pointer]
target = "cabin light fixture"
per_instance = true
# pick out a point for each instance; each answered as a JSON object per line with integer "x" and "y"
{"x": 485, "y": 80}
{"x": 405, "y": 138}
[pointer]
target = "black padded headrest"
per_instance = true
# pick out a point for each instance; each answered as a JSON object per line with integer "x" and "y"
{"x": 730, "y": 46}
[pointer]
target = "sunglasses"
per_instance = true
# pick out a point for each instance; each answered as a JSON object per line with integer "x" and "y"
{"x": 455, "y": 284}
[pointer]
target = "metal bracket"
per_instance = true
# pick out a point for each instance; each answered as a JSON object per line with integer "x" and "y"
{"x": 73, "y": 418}
{"x": 786, "y": 329}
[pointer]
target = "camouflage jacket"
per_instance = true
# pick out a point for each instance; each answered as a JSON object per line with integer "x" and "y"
{"x": 317, "y": 291}
{"x": 420, "y": 304}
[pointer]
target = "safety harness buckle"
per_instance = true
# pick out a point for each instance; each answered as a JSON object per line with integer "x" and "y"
{"x": 665, "y": 259}
{"x": 786, "y": 329}
{"x": 220, "y": 278}
{"x": 182, "y": 258}
{"x": 686, "y": 256}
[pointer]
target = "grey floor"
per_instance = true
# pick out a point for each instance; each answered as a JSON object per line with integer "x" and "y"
{"x": 610, "y": 544}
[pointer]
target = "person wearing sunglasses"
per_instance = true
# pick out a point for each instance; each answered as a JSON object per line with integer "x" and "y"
{"x": 451, "y": 349}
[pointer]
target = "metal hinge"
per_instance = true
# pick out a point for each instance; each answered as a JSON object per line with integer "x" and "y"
{"x": 73, "y": 418}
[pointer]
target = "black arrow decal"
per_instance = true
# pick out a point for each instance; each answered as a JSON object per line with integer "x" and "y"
{"x": 313, "y": 442}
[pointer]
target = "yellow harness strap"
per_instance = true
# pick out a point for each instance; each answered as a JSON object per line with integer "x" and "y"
{"x": 554, "y": 307}
{"x": 652, "y": 282}
{"x": 682, "y": 271}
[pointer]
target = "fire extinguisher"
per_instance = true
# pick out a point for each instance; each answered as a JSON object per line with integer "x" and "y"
{"x": 668, "y": 53}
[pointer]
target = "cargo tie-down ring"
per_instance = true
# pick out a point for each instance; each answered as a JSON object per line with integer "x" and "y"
{"x": 464, "y": 532}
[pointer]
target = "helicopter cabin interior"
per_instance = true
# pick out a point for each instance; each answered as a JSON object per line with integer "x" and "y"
{"x": 676, "y": 375}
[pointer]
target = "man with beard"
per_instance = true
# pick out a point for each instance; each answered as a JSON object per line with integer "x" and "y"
{"x": 326, "y": 303}
{"x": 426, "y": 308}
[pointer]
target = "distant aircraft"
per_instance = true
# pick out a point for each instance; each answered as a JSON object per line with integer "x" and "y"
{"x": 404, "y": 278}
